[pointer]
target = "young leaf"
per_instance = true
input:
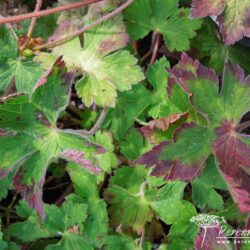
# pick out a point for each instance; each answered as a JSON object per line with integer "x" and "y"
{"x": 162, "y": 16}
{"x": 100, "y": 61}
{"x": 232, "y": 16}
{"x": 32, "y": 138}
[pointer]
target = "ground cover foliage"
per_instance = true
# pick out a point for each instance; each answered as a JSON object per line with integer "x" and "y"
{"x": 131, "y": 135}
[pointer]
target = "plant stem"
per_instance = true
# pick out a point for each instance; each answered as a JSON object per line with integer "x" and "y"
{"x": 155, "y": 48}
{"x": 204, "y": 236}
{"x": 33, "y": 20}
{"x": 68, "y": 190}
{"x": 98, "y": 123}
{"x": 142, "y": 238}
{"x": 225, "y": 67}
{"x": 12, "y": 19}
{"x": 10, "y": 88}
{"x": 74, "y": 109}
{"x": 8, "y": 210}
{"x": 57, "y": 186}
{"x": 243, "y": 126}
{"x": 88, "y": 27}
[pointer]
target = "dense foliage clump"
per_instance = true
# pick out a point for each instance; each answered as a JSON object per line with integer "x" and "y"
{"x": 125, "y": 125}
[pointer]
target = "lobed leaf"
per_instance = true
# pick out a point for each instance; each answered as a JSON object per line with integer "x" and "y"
{"x": 232, "y": 16}
{"x": 162, "y": 16}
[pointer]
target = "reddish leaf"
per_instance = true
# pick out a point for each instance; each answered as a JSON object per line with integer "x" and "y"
{"x": 232, "y": 16}
{"x": 162, "y": 124}
{"x": 203, "y": 8}
{"x": 233, "y": 155}
{"x": 180, "y": 166}
{"x": 207, "y": 240}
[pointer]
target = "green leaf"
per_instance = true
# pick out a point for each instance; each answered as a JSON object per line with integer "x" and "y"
{"x": 25, "y": 73}
{"x": 59, "y": 221}
{"x": 131, "y": 199}
{"x": 173, "y": 190}
{"x": 134, "y": 145}
{"x": 182, "y": 235}
{"x": 129, "y": 178}
{"x": 103, "y": 77}
{"x": 32, "y": 138}
{"x": 161, "y": 16}
{"x": 3, "y": 244}
{"x": 8, "y": 45}
{"x": 130, "y": 105}
{"x": 203, "y": 188}
{"x": 107, "y": 160}
{"x": 70, "y": 214}
{"x": 45, "y": 27}
{"x": 213, "y": 51}
{"x": 71, "y": 241}
{"x": 128, "y": 209}
{"x": 157, "y": 75}
{"x": 119, "y": 242}
{"x": 173, "y": 210}
{"x": 85, "y": 185}
{"x": 31, "y": 225}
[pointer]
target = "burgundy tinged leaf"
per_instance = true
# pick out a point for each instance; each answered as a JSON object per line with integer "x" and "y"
{"x": 58, "y": 64}
{"x": 233, "y": 156}
{"x": 203, "y": 8}
{"x": 171, "y": 169}
{"x": 78, "y": 157}
{"x": 207, "y": 240}
{"x": 33, "y": 194}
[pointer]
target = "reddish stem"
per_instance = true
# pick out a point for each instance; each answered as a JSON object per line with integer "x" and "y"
{"x": 33, "y": 20}
{"x": 12, "y": 19}
{"x": 88, "y": 27}
{"x": 155, "y": 48}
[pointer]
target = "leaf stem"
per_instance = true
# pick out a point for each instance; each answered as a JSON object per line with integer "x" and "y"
{"x": 68, "y": 190}
{"x": 98, "y": 123}
{"x": 12, "y": 19}
{"x": 9, "y": 208}
{"x": 155, "y": 48}
{"x": 88, "y": 27}
{"x": 10, "y": 88}
{"x": 243, "y": 126}
{"x": 225, "y": 67}
{"x": 33, "y": 20}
